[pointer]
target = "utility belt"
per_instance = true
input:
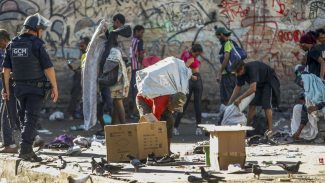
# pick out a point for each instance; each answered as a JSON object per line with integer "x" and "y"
{"x": 46, "y": 85}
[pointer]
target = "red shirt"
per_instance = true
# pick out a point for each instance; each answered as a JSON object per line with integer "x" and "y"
{"x": 158, "y": 104}
{"x": 187, "y": 55}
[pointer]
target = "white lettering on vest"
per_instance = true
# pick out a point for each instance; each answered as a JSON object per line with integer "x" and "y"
{"x": 20, "y": 52}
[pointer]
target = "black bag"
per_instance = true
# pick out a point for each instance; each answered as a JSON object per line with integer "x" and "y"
{"x": 110, "y": 74}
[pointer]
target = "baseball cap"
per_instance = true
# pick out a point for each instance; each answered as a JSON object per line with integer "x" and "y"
{"x": 222, "y": 30}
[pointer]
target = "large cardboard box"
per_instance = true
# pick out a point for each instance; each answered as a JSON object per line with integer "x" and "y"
{"x": 227, "y": 145}
{"x": 138, "y": 139}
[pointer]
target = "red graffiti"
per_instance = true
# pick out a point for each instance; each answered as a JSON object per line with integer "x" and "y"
{"x": 284, "y": 36}
{"x": 231, "y": 9}
{"x": 281, "y": 6}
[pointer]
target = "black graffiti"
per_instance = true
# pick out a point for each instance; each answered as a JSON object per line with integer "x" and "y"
{"x": 315, "y": 7}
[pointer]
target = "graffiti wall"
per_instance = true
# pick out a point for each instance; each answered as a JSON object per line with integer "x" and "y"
{"x": 268, "y": 29}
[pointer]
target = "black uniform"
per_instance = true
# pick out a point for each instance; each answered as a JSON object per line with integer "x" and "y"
{"x": 27, "y": 59}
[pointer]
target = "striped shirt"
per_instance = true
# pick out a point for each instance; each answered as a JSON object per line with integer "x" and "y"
{"x": 135, "y": 50}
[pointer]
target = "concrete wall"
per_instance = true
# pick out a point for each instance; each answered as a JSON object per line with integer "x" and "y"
{"x": 268, "y": 29}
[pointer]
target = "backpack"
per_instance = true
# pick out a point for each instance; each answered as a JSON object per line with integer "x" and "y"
{"x": 110, "y": 73}
{"x": 236, "y": 54}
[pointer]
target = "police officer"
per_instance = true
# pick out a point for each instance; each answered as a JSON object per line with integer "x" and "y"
{"x": 31, "y": 69}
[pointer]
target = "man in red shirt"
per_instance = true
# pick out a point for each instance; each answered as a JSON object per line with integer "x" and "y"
{"x": 162, "y": 107}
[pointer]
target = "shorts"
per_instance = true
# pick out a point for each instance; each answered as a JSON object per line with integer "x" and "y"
{"x": 263, "y": 97}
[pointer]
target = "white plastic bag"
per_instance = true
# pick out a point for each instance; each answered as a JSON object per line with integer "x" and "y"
{"x": 166, "y": 77}
{"x": 233, "y": 115}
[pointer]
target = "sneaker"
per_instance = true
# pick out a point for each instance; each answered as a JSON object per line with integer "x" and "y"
{"x": 151, "y": 159}
{"x": 38, "y": 143}
{"x": 166, "y": 160}
{"x": 73, "y": 151}
{"x": 175, "y": 155}
{"x": 198, "y": 131}
{"x": 175, "y": 131}
{"x": 268, "y": 133}
{"x": 8, "y": 149}
{"x": 30, "y": 157}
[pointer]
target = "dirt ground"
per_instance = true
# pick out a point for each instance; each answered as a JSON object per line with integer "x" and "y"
{"x": 308, "y": 153}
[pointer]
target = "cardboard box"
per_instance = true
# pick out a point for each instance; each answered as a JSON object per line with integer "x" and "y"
{"x": 138, "y": 139}
{"x": 227, "y": 145}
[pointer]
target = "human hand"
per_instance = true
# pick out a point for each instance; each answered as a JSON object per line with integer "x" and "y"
{"x": 311, "y": 109}
{"x": 219, "y": 76}
{"x": 5, "y": 96}
{"x": 194, "y": 78}
{"x": 296, "y": 135}
{"x": 54, "y": 94}
{"x": 237, "y": 102}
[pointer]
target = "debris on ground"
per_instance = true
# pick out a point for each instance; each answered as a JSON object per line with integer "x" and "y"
{"x": 57, "y": 115}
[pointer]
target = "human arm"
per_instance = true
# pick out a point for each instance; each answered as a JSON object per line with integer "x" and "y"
{"x": 6, "y": 65}
{"x": 140, "y": 53}
{"x": 189, "y": 62}
{"x": 251, "y": 90}
{"x": 6, "y": 76}
{"x": 316, "y": 107}
{"x": 304, "y": 59}
{"x": 226, "y": 57}
{"x": 321, "y": 61}
{"x": 225, "y": 61}
{"x": 50, "y": 74}
{"x": 234, "y": 95}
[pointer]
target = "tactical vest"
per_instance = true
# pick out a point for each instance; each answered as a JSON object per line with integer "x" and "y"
{"x": 25, "y": 66}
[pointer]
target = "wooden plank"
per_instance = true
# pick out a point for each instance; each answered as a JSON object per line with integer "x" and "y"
{"x": 214, "y": 128}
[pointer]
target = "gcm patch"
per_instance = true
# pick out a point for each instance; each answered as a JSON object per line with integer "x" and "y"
{"x": 20, "y": 52}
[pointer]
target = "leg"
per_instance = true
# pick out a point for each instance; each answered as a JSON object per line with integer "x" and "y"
{"x": 119, "y": 111}
{"x": 197, "y": 100}
{"x": 168, "y": 117}
{"x": 268, "y": 114}
{"x": 133, "y": 84}
{"x": 267, "y": 104}
{"x": 12, "y": 112}
{"x": 296, "y": 118}
{"x": 115, "y": 119}
{"x": 251, "y": 114}
{"x": 75, "y": 94}
{"x": 180, "y": 115}
{"x": 21, "y": 111}
{"x": 100, "y": 113}
{"x": 6, "y": 130}
{"x": 100, "y": 109}
{"x": 257, "y": 101}
{"x": 227, "y": 85}
{"x": 32, "y": 105}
